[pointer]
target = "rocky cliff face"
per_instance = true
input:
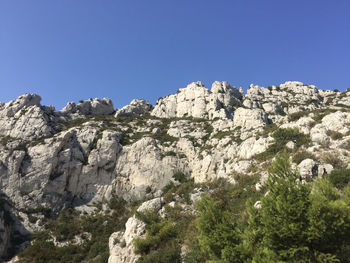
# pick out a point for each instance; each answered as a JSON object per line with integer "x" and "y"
{"x": 84, "y": 155}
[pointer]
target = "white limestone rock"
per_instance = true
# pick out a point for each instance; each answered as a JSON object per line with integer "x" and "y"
{"x": 97, "y": 106}
{"x": 304, "y": 124}
{"x": 142, "y": 165}
{"x": 185, "y": 128}
{"x": 319, "y": 135}
{"x": 151, "y": 205}
{"x": 308, "y": 169}
{"x": 324, "y": 169}
{"x": 121, "y": 247}
{"x": 134, "y": 109}
{"x": 337, "y": 121}
{"x": 25, "y": 118}
{"x": 249, "y": 119}
{"x": 197, "y": 101}
{"x": 11, "y": 108}
{"x": 289, "y": 97}
{"x": 252, "y": 146}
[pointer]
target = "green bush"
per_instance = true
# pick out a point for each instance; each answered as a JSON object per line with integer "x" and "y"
{"x": 339, "y": 178}
{"x": 180, "y": 177}
{"x": 218, "y": 233}
{"x": 281, "y": 138}
{"x": 163, "y": 238}
{"x": 183, "y": 190}
{"x": 162, "y": 256}
{"x": 295, "y": 224}
{"x": 298, "y": 157}
{"x": 336, "y": 135}
{"x": 297, "y": 115}
{"x": 70, "y": 223}
{"x": 221, "y": 134}
{"x": 269, "y": 129}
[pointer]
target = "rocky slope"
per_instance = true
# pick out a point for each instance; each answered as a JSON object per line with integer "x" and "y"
{"x": 85, "y": 154}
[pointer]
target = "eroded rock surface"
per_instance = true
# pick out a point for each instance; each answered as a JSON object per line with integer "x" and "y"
{"x": 82, "y": 156}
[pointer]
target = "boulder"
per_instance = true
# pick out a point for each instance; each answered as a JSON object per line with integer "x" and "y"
{"x": 308, "y": 169}
{"x": 151, "y": 205}
{"x": 338, "y": 121}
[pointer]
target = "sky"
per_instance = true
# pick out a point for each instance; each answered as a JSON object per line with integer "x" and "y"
{"x": 68, "y": 50}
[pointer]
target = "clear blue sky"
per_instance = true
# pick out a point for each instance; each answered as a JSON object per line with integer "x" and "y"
{"x": 66, "y": 50}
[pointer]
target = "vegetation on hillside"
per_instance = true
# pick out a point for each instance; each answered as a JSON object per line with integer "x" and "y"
{"x": 288, "y": 221}
{"x": 93, "y": 229}
{"x": 294, "y": 222}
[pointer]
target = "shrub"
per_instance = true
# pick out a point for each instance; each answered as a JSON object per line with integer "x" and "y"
{"x": 221, "y": 134}
{"x": 281, "y": 137}
{"x": 217, "y": 231}
{"x": 70, "y": 223}
{"x": 148, "y": 189}
{"x": 180, "y": 177}
{"x": 298, "y": 157}
{"x": 208, "y": 128}
{"x": 339, "y": 178}
{"x": 117, "y": 204}
{"x": 336, "y": 135}
{"x": 162, "y": 255}
{"x": 183, "y": 190}
{"x": 170, "y": 153}
{"x": 297, "y": 115}
{"x": 269, "y": 129}
{"x": 236, "y": 103}
{"x": 163, "y": 239}
{"x": 164, "y": 137}
{"x": 295, "y": 224}
{"x": 333, "y": 159}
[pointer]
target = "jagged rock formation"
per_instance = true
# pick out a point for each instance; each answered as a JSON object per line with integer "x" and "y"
{"x": 90, "y": 107}
{"x": 84, "y": 155}
{"x": 197, "y": 101}
{"x": 289, "y": 97}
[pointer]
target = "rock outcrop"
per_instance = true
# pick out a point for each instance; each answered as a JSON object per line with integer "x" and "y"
{"x": 292, "y": 96}
{"x": 25, "y": 118}
{"x": 83, "y": 155}
{"x": 90, "y": 107}
{"x": 134, "y": 109}
{"x": 121, "y": 247}
{"x": 198, "y": 102}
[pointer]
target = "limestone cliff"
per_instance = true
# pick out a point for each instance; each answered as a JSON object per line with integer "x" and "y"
{"x": 86, "y": 153}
